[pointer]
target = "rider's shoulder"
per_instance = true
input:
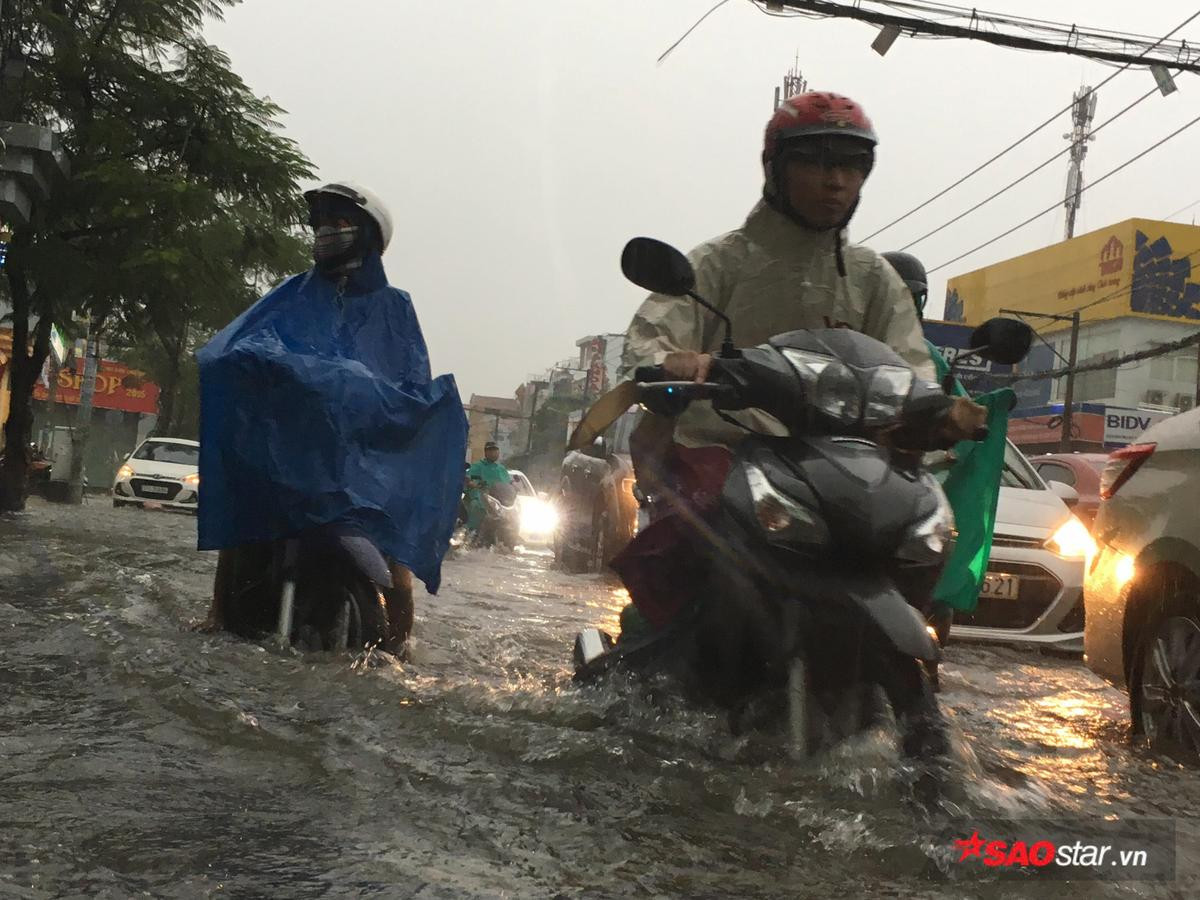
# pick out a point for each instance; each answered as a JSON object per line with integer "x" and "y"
{"x": 866, "y": 263}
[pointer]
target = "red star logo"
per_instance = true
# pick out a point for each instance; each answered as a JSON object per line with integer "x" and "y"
{"x": 972, "y": 846}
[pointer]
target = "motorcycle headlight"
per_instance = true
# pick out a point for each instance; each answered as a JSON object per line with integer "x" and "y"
{"x": 929, "y": 539}
{"x": 886, "y": 394}
{"x": 839, "y": 393}
{"x": 783, "y": 519}
{"x": 808, "y": 365}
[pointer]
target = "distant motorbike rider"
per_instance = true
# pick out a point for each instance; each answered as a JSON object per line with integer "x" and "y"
{"x": 351, "y": 230}
{"x": 788, "y": 267}
{"x": 480, "y": 477}
{"x": 970, "y": 475}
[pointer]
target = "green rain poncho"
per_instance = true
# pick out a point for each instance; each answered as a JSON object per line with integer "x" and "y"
{"x": 489, "y": 473}
{"x": 972, "y": 485}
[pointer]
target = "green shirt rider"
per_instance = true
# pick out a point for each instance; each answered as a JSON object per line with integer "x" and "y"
{"x": 481, "y": 476}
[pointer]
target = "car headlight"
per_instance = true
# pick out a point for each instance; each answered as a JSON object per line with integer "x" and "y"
{"x": 537, "y": 516}
{"x": 1072, "y": 540}
{"x": 192, "y": 480}
{"x": 886, "y": 394}
{"x": 782, "y": 518}
{"x": 124, "y": 472}
{"x": 929, "y": 539}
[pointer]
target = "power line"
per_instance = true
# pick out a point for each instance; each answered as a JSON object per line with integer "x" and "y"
{"x": 1161, "y": 350}
{"x": 667, "y": 52}
{"x": 1056, "y": 204}
{"x": 1182, "y": 209}
{"x": 1024, "y": 137}
{"x": 1053, "y": 37}
{"x": 1028, "y": 174}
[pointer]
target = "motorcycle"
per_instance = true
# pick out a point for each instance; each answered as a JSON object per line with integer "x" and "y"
{"x": 319, "y": 591}
{"x": 502, "y": 520}
{"x": 822, "y": 545}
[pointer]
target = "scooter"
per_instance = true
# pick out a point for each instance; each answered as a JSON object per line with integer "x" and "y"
{"x": 502, "y": 520}
{"x": 822, "y": 542}
{"x": 319, "y": 591}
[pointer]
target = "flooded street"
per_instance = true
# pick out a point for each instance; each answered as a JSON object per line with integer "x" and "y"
{"x": 139, "y": 756}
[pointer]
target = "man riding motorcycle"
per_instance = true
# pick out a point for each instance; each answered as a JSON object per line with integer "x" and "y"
{"x": 970, "y": 475}
{"x": 347, "y": 350}
{"x": 788, "y": 267}
{"x": 480, "y": 476}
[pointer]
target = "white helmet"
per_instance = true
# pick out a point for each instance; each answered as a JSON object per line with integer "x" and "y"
{"x": 369, "y": 201}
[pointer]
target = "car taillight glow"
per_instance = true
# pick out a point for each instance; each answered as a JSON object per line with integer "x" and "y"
{"x": 1121, "y": 466}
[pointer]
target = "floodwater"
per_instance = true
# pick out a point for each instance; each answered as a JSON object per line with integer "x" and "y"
{"x": 140, "y": 757}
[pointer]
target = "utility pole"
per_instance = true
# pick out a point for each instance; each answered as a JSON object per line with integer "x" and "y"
{"x": 793, "y": 84}
{"x": 1069, "y": 393}
{"x": 1072, "y": 358}
{"x": 83, "y": 419}
{"x": 1082, "y": 113}
{"x": 1196, "y": 404}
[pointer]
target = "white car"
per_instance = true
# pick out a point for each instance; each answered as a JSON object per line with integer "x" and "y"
{"x": 539, "y": 518}
{"x": 1033, "y": 590}
{"x": 161, "y": 472}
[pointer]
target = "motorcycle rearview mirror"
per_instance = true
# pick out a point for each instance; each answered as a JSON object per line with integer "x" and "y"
{"x": 657, "y": 267}
{"x": 660, "y": 268}
{"x": 1001, "y": 340}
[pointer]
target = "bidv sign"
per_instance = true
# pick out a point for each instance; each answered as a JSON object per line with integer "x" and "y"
{"x": 1123, "y": 426}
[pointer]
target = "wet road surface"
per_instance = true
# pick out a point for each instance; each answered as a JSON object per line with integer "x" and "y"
{"x": 141, "y": 757}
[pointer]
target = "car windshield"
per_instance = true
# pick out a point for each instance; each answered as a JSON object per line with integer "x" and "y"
{"x": 167, "y": 452}
{"x": 1018, "y": 472}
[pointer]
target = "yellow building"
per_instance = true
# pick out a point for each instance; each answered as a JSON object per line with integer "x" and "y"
{"x": 1140, "y": 267}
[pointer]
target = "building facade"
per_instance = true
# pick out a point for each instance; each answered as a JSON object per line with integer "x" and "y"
{"x": 1135, "y": 285}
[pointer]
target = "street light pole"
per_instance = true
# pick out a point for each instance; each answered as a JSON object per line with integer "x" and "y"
{"x": 1072, "y": 357}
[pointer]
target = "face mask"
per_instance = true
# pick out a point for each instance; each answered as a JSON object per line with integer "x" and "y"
{"x": 332, "y": 243}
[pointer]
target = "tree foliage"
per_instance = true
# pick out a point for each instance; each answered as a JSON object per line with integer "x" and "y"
{"x": 183, "y": 199}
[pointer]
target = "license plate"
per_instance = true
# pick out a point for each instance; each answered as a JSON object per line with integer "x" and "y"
{"x": 998, "y": 586}
{"x": 154, "y": 489}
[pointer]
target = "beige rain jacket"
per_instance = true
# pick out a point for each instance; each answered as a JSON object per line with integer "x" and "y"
{"x": 772, "y": 276}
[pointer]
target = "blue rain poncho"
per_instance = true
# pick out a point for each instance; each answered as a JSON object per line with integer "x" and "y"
{"x": 317, "y": 408}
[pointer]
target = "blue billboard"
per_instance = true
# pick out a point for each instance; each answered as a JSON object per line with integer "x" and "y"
{"x": 973, "y": 371}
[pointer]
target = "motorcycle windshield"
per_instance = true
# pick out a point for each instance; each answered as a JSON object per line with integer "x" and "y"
{"x": 318, "y": 408}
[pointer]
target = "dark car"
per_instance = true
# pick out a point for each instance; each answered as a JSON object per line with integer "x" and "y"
{"x": 1079, "y": 470}
{"x": 597, "y": 512}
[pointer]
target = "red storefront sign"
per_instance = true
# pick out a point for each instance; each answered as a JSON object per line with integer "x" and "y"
{"x": 117, "y": 387}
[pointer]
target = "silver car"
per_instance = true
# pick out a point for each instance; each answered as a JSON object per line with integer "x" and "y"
{"x": 1033, "y": 590}
{"x": 1143, "y": 591}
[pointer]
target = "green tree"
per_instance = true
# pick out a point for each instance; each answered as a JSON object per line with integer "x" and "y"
{"x": 183, "y": 197}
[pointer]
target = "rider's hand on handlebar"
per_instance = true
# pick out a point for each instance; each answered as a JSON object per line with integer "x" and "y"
{"x": 966, "y": 421}
{"x": 688, "y": 365}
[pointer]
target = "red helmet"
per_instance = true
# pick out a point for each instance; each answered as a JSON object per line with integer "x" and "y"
{"x": 815, "y": 113}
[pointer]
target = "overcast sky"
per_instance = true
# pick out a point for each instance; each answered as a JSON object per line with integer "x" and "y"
{"x": 521, "y": 143}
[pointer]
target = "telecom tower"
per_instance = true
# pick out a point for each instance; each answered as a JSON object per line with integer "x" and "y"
{"x": 793, "y": 83}
{"x": 1082, "y": 113}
